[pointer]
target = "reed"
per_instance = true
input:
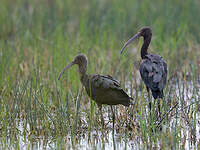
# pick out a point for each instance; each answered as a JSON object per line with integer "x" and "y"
{"x": 38, "y": 38}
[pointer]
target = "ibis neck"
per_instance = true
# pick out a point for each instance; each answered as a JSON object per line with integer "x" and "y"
{"x": 147, "y": 40}
{"x": 84, "y": 79}
{"x": 82, "y": 69}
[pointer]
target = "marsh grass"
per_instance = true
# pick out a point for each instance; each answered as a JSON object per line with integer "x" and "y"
{"x": 38, "y": 38}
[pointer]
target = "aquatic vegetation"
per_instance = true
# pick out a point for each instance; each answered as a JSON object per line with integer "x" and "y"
{"x": 38, "y": 38}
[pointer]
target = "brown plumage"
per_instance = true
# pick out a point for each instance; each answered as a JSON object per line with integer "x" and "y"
{"x": 153, "y": 69}
{"x": 103, "y": 89}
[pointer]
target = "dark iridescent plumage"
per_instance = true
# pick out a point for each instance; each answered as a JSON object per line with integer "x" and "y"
{"x": 153, "y": 69}
{"x": 103, "y": 89}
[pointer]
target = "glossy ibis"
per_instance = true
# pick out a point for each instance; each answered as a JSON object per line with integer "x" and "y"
{"x": 153, "y": 69}
{"x": 103, "y": 89}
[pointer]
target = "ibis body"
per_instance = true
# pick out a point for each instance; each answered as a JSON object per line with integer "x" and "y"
{"x": 103, "y": 89}
{"x": 153, "y": 69}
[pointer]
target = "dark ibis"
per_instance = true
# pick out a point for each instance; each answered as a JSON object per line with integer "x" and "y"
{"x": 153, "y": 69}
{"x": 103, "y": 89}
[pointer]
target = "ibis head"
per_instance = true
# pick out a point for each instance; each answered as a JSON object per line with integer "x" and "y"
{"x": 81, "y": 61}
{"x": 144, "y": 32}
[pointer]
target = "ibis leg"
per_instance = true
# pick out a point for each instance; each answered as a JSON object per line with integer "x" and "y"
{"x": 159, "y": 116}
{"x": 113, "y": 114}
{"x": 102, "y": 119}
{"x": 149, "y": 100}
{"x": 113, "y": 136}
{"x": 159, "y": 108}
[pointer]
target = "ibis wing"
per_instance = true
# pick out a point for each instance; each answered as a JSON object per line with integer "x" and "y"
{"x": 145, "y": 71}
{"x": 107, "y": 90}
{"x": 105, "y": 82}
{"x": 153, "y": 71}
{"x": 164, "y": 75}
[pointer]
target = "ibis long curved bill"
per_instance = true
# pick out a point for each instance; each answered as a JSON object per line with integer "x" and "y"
{"x": 136, "y": 36}
{"x": 68, "y": 66}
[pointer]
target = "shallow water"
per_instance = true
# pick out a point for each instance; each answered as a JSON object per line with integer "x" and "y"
{"x": 94, "y": 141}
{"x": 109, "y": 139}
